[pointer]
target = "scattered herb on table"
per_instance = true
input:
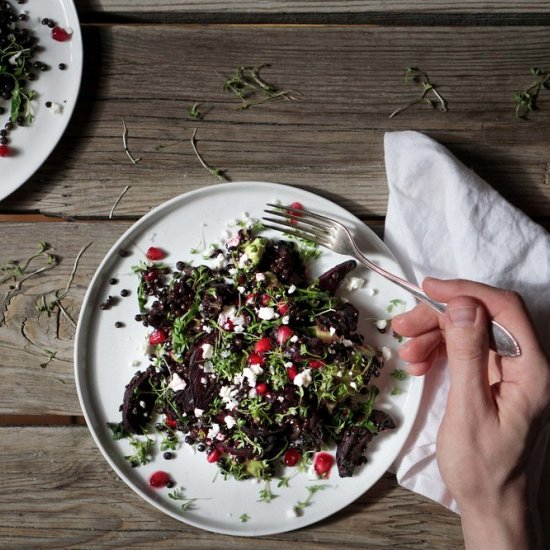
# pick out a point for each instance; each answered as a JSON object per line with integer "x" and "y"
{"x": 414, "y": 74}
{"x": 251, "y": 88}
{"x": 119, "y": 198}
{"x": 220, "y": 174}
{"x": 526, "y": 101}
{"x": 194, "y": 112}
{"x": 134, "y": 160}
{"x": 50, "y": 356}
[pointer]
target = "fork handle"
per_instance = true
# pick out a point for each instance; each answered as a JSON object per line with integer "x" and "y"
{"x": 501, "y": 341}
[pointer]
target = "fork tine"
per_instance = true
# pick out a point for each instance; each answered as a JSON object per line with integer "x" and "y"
{"x": 303, "y": 213}
{"x": 295, "y": 229}
{"x": 298, "y": 216}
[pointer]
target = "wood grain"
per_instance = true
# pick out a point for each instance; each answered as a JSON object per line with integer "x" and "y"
{"x": 58, "y": 491}
{"x": 330, "y": 142}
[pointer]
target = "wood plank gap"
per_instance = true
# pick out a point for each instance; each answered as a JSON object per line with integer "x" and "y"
{"x": 379, "y": 18}
{"x": 41, "y": 420}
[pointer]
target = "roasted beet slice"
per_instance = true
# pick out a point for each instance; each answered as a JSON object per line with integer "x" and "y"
{"x": 138, "y": 402}
{"x": 350, "y": 452}
{"x": 351, "y": 449}
{"x": 332, "y": 279}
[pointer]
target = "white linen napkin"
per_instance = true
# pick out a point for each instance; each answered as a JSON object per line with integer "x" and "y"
{"x": 445, "y": 221}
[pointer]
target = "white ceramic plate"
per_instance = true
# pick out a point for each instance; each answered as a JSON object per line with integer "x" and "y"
{"x": 104, "y": 356}
{"x": 32, "y": 144}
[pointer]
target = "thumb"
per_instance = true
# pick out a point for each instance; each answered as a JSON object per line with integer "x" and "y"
{"x": 467, "y": 338}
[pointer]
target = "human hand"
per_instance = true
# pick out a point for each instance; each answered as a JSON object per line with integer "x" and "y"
{"x": 495, "y": 406}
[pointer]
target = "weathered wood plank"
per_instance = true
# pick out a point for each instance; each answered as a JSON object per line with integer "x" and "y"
{"x": 57, "y": 490}
{"x": 344, "y": 11}
{"x": 331, "y": 141}
{"x": 32, "y": 384}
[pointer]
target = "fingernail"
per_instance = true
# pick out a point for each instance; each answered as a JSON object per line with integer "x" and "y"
{"x": 462, "y": 316}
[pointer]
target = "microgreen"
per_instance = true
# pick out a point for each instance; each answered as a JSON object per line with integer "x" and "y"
{"x": 118, "y": 429}
{"x": 311, "y": 490}
{"x": 414, "y": 74}
{"x": 526, "y": 101}
{"x": 252, "y": 89}
{"x": 393, "y": 304}
{"x": 220, "y": 174}
{"x": 50, "y": 356}
{"x": 396, "y": 391}
{"x": 188, "y": 504}
{"x": 194, "y": 112}
{"x": 265, "y": 494}
{"x": 399, "y": 374}
{"x": 244, "y": 518}
{"x": 133, "y": 159}
{"x": 142, "y": 451}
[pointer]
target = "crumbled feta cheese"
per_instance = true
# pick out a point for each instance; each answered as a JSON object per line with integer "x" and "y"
{"x": 208, "y": 367}
{"x": 243, "y": 260}
{"x": 232, "y": 271}
{"x": 207, "y": 329}
{"x": 207, "y": 351}
{"x": 260, "y": 277}
{"x": 332, "y": 331}
{"x": 353, "y": 385}
{"x": 219, "y": 261}
{"x": 386, "y": 353}
{"x": 213, "y": 431}
{"x": 252, "y": 393}
{"x": 146, "y": 348}
{"x": 142, "y": 404}
{"x": 233, "y": 241}
{"x": 285, "y": 320}
{"x": 294, "y": 338}
{"x": 289, "y": 364}
{"x": 198, "y": 412}
{"x": 370, "y": 291}
{"x": 55, "y": 108}
{"x": 177, "y": 383}
{"x": 355, "y": 283}
{"x": 229, "y": 421}
{"x": 203, "y": 381}
{"x": 241, "y": 289}
{"x": 225, "y": 353}
{"x": 266, "y": 313}
{"x": 303, "y": 378}
{"x": 256, "y": 369}
{"x": 292, "y": 513}
{"x": 347, "y": 343}
{"x": 381, "y": 324}
{"x": 291, "y": 289}
{"x": 250, "y": 375}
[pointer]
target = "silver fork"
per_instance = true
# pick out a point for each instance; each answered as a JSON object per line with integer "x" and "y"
{"x": 336, "y": 237}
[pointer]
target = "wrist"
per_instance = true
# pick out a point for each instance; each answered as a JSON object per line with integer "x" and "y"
{"x": 505, "y": 522}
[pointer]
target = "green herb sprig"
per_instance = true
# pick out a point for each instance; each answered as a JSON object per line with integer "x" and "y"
{"x": 252, "y": 89}
{"x": 414, "y": 74}
{"x": 220, "y": 174}
{"x": 526, "y": 101}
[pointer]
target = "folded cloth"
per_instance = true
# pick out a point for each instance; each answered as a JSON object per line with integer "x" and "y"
{"x": 445, "y": 221}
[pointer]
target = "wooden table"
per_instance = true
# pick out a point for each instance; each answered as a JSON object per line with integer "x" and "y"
{"x": 148, "y": 63}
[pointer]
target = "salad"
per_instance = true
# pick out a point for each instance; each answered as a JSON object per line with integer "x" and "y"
{"x": 253, "y": 362}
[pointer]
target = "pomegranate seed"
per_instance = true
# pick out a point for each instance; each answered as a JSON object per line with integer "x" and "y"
{"x": 4, "y": 151}
{"x": 291, "y": 457}
{"x": 159, "y": 479}
{"x": 256, "y": 359}
{"x": 213, "y": 456}
{"x": 154, "y": 253}
{"x": 157, "y": 337}
{"x": 283, "y": 334}
{"x": 60, "y": 34}
{"x": 265, "y": 299}
{"x": 282, "y": 308}
{"x": 296, "y": 206}
{"x": 322, "y": 464}
{"x": 262, "y": 345}
{"x": 315, "y": 364}
{"x": 292, "y": 371}
{"x": 250, "y": 299}
{"x": 170, "y": 422}
{"x": 261, "y": 388}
